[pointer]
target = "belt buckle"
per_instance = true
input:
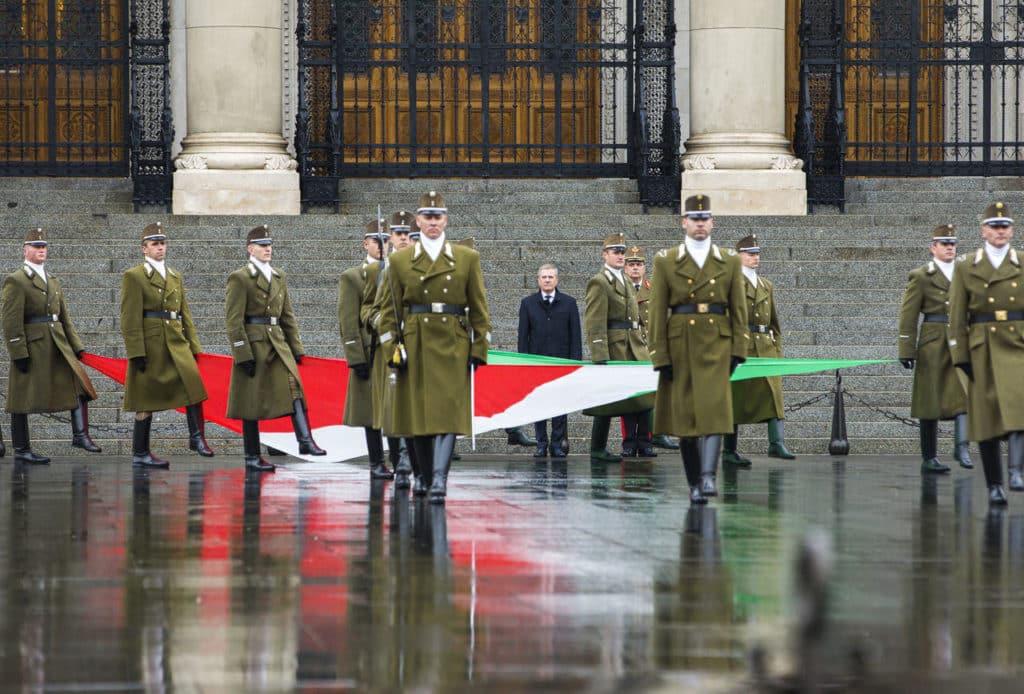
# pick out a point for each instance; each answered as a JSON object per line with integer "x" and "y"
{"x": 174, "y": 315}
{"x": 702, "y": 308}
{"x": 437, "y": 307}
{"x": 1000, "y": 315}
{"x": 636, "y": 326}
{"x": 54, "y": 317}
{"x": 273, "y": 320}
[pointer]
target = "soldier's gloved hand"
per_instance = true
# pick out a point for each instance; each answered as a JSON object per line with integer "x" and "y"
{"x": 666, "y": 372}
{"x": 600, "y": 362}
{"x": 907, "y": 363}
{"x": 22, "y": 364}
{"x": 298, "y": 358}
{"x": 361, "y": 370}
{"x": 734, "y": 362}
{"x": 967, "y": 369}
{"x": 139, "y": 363}
{"x": 78, "y": 354}
{"x": 475, "y": 363}
{"x": 249, "y": 367}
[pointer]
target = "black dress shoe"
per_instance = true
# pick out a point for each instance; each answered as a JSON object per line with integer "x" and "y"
{"x": 646, "y": 452}
{"x": 518, "y": 438}
{"x": 380, "y": 471}
{"x": 542, "y": 451}
{"x": 559, "y": 453}
{"x": 696, "y": 497}
{"x": 996, "y": 495}
{"x": 27, "y": 455}
{"x": 628, "y": 452}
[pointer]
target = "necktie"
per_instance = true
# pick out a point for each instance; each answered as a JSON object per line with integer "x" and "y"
{"x": 547, "y": 300}
{"x": 637, "y": 287}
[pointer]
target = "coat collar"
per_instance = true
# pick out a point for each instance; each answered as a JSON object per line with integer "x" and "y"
{"x": 715, "y": 251}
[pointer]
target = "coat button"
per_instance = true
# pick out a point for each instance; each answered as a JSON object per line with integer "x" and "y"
{"x": 991, "y": 300}
{"x": 689, "y": 281}
{"x": 992, "y": 329}
{"x": 693, "y": 322}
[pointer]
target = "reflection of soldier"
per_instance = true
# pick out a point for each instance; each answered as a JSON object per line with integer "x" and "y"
{"x": 44, "y": 347}
{"x": 758, "y": 400}
{"x": 938, "y": 392}
{"x": 356, "y": 341}
{"x": 985, "y": 325}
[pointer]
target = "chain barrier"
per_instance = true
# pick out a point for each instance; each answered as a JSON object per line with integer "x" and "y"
{"x": 888, "y": 414}
{"x": 810, "y": 401}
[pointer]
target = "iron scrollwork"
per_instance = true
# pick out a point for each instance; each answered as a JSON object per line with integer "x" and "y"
{"x": 151, "y": 122}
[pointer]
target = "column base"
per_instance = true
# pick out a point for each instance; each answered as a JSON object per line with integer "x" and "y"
{"x": 227, "y": 192}
{"x": 749, "y": 192}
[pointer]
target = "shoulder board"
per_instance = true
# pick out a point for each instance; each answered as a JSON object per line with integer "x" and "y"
{"x": 663, "y": 253}
{"x": 252, "y": 269}
{"x": 731, "y": 251}
{"x": 961, "y": 258}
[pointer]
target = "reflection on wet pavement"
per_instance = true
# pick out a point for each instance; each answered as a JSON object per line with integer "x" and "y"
{"x": 558, "y": 574}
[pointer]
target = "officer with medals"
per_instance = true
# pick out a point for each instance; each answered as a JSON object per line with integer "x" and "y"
{"x": 161, "y": 343}
{"x": 937, "y": 392}
{"x": 986, "y": 321}
{"x": 612, "y": 325}
{"x": 435, "y": 331}
{"x": 698, "y": 336}
{"x": 636, "y": 268}
{"x": 758, "y": 400}
{"x": 265, "y": 344}
{"x": 399, "y": 449}
{"x": 45, "y": 374}
{"x": 357, "y": 344}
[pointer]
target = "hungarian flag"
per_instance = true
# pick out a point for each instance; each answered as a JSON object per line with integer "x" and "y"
{"x": 510, "y": 391}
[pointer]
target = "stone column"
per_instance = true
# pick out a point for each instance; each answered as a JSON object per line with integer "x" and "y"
{"x": 234, "y": 159}
{"x": 737, "y": 152}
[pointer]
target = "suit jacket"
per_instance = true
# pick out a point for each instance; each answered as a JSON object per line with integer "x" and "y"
{"x": 552, "y": 330}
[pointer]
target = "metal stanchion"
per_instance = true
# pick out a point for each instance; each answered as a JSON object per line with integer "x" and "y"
{"x": 838, "y": 444}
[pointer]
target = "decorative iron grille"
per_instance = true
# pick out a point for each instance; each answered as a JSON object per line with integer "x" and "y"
{"x": 504, "y": 88}
{"x": 152, "y": 126}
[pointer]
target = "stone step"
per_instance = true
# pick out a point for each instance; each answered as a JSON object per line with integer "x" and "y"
{"x": 453, "y": 186}
{"x": 368, "y": 200}
{"x": 975, "y": 199}
{"x": 938, "y": 184}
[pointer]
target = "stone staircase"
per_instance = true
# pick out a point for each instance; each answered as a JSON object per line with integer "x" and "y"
{"x": 839, "y": 277}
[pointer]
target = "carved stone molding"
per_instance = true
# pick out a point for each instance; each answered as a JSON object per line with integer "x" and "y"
{"x": 786, "y": 163}
{"x": 190, "y": 161}
{"x": 280, "y": 162}
{"x": 700, "y": 162}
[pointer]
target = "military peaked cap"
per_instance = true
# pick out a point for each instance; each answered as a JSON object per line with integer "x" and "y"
{"x": 945, "y": 233}
{"x": 748, "y": 244}
{"x": 35, "y": 237}
{"x": 635, "y": 253}
{"x": 997, "y": 213}
{"x": 260, "y": 235}
{"x": 697, "y": 206}
{"x": 154, "y": 232}
{"x": 376, "y": 227}
{"x": 614, "y": 241}
{"x": 402, "y": 222}
{"x": 432, "y": 203}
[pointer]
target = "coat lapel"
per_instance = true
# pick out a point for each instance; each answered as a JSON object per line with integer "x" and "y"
{"x": 1010, "y": 267}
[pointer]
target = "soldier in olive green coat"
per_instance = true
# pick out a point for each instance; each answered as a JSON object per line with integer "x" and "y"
{"x": 161, "y": 343}
{"x": 937, "y": 392}
{"x": 757, "y": 400}
{"x": 612, "y": 326}
{"x": 986, "y": 321}
{"x": 264, "y": 336}
{"x": 445, "y": 327}
{"x": 356, "y": 341}
{"x": 44, "y": 347}
{"x": 698, "y": 337}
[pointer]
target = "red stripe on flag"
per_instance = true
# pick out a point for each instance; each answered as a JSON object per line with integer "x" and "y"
{"x": 500, "y": 387}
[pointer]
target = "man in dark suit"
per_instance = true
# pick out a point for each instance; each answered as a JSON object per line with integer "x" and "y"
{"x": 549, "y": 325}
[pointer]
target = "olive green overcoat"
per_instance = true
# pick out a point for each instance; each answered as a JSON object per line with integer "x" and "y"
{"x": 355, "y": 342}
{"x": 937, "y": 392}
{"x": 995, "y": 349}
{"x": 698, "y": 400}
{"x": 432, "y": 396}
{"x": 170, "y": 346}
{"x": 369, "y": 313}
{"x": 760, "y": 399}
{"x": 273, "y": 347}
{"x": 643, "y": 304}
{"x": 609, "y": 299}
{"x": 52, "y": 383}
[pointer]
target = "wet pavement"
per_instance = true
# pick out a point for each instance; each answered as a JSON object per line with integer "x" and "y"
{"x": 539, "y": 576}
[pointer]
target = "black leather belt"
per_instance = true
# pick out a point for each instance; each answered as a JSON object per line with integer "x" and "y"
{"x": 763, "y": 329}
{"x": 936, "y": 318}
{"x": 699, "y": 308}
{"x": 166, "y": 315}
{"x": 51, "y": 318}
{"x": 262, "y": 320}
{"x": 996, "y": 316}
{"x": 623, "y": 325}
{"x": 437, "y": 308}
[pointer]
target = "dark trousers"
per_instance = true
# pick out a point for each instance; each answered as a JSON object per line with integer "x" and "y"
{"x": 559, "y": 435}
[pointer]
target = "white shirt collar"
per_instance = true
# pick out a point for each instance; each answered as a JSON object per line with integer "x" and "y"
{"x": 158, "y": 265}
{"x": 698, "y": 249}
{"x": 946, "y": 266}
{"x": 38, "y": 269}
{"x": 996, "y": 255}
{"x": 751, "y": 274}
{"x": 261, "y": 266}
{"x": 433, "y": 247}
{"x": 617, "y": 272}
{"x": 370, "y": 260}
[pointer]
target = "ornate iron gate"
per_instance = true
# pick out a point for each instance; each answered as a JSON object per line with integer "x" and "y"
{"x": 506, "y": 88}
{"x": 931, "y": 87}
{"x": 152, "y": 127}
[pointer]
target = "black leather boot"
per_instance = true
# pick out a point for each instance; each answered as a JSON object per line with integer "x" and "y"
{"x": 403, "y": 466}
{"x": 660, "y": 440}
{"x": 629, "y": 433}
{"x": 776, "y": 441}
{"x": 962, "y": 446}
{"x": 644, "y": 447}
{"x": 22, "y": 448}
{"x": 689, "y": 449}
{"x": 300, "y": 422}
{"x": 993, "y": 472}
{"x": 141, "y": 455}
{"x": 929, "y": 447}
{"x": 424, "y": 464}
{"x": 599, "y": 441}
{"x": 516, "y": 437}
{"x": 1015, "y": 460}
{"x": 197, "y": 430}
{"x": 711, "y": 448}
{"x": 251, "y": 447}
{"x": 444, "y": 444}
{"x": 729, "y": 454}
{"x": 80, "y": 428}
{"x": 375, "y": 449}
